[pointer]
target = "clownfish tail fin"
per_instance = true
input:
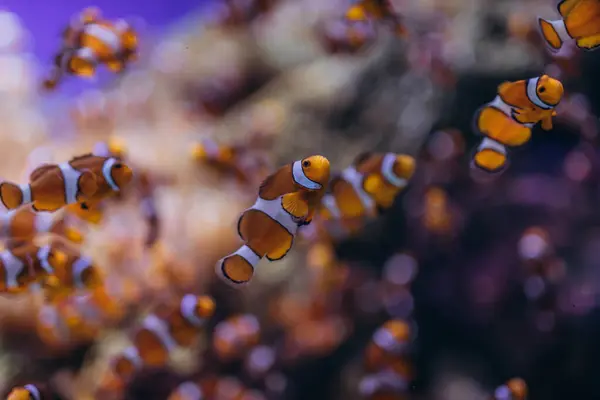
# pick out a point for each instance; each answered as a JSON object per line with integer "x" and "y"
{"x": 554, "y": 33}
{"x": 237, "y": 269}
{"x": 13, "y": 195}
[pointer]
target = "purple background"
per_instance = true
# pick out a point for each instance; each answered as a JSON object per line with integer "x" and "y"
{"x": 45, "y": 19}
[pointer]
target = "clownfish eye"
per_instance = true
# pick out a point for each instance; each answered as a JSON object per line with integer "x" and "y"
{"x": 118, "y": 166}
{"x": 306, "y": 164}
{"x": 84, "y": 206}
{"x": 542, "y": 89}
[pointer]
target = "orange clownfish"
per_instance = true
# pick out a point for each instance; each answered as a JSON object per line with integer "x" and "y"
{"x": 235, "y": 336}
{"x": 75, "y": 273}
{"x": 580, "y": 22}
{"x": 93, "y": 41}
{"x": 286, "y": 200}
{"x": 219, "y": 156}
{"x": 29, "y": 392}
{"x": 224, "y": 388}
{"x": 372, "y": 182}
{"x": 389, "y": 342}
{"x": 177, "y": 325}
{"x": 83, "y": 178}
{"x": 23, "y": 224}
{"x": 514, "y": 389}
{"x": 509, "y": 118}
{"x": 26, "y": 264}
{"x": 391, "y": 383}
{"x": 378, "y": 10}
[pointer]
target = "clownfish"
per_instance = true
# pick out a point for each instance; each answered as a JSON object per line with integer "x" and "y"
{"x": 380, "y": 10}
{"x": 580, "y": 22}
{"x": 94, "y": 212}
{"x": 388, "y": 343}
{"x": 236, "y": 335}
{"x": 30, "y": 392}
{"x": 93, "y": 41}
{"x": 509, "y": 118}
{"x": 346, "y": 36}
{"x": 390, "y": 383}
{"x": 23, "y": 224}
{"x": 371, "y": 183}
{"x": 26, "y": 263}
{"x": 222, "y": 158}
{"x": 514, "y": 389}
{"x": 68, "y": 321}
{"x": 77, "y": 272}
{"x": 159, "y": 333}
{"x": 83, "y": 178}
{"x": 286, "y": 200}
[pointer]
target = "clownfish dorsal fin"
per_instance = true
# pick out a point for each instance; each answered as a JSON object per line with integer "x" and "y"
{"x": 39, "y": 171}
{"x": 362, "y": 158}
{"x": 277, "y": 184}
{"x": 81, "y": 157}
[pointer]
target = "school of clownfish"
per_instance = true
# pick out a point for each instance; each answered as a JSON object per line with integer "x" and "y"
{"x": 296, "y": 195}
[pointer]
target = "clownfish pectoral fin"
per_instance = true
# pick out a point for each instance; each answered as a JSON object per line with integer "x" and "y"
{"x": 550, "y": 34}
{"x": 13, "y": 195}
{"x": 87, "y": 184}
{"x": 589, "y": 43}
{"x": 237, "y": 269}
{"x": 547, "y": 123}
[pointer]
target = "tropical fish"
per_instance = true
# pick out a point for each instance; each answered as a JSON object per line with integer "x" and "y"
{"x": 286, "y": 200}
{"x": 235, "y": 336}
{"x": 176, "y": 324}
{"x": 507, "y": 121}
{"x": 23, "y": 224}
{"x": 92, "y": 41}
{"x": 379, "y": 10}
{"x": 76, "y": 273}
{"x": 514, "y": 389}
{"x": 371, "y": 183}
{"x": 30, "y": 392}
{"x": 580, "y": 22}
{"x": 83, "y": 178}
{"x": 391, "y": 383}
{"x": 26, "y": 263}
{"x": 388, "y": 343}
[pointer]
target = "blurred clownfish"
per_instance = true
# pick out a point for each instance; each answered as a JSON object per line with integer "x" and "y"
{"x": 346, "y": 36}
{"x": 30, "y": 392}
{"x": 380, "y": 10}
{"x": 580, "y": 22}
{"x": 391, "y": 383}
{"x": 69, "y": 321}
{"x": 389, "y": 342}
{"x": 286, "y": 200}
{"x": 177, "y": 324}
{"x": 510, "y": 117}
{"x": 222, "y": 388}
{"x": 25, "y": 264}
{"x": 93, "y": 212}
{"x": 236, "y": 335}
{"x": 221, "y": 157}
{"x": 92, "y": 41}
{"x": 83, "y": 178}
{"x": 23, "y": 224}
{"x": 514, "y": 389}
{"x": 77, "y": 272}
{"x": 372, "y": 182}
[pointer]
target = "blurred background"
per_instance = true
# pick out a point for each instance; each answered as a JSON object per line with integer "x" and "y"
{"x": 497, "y": 277}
